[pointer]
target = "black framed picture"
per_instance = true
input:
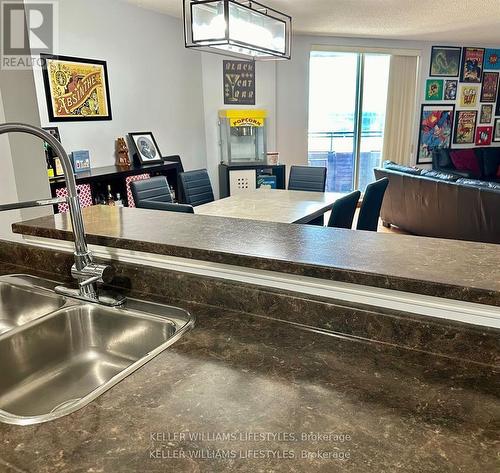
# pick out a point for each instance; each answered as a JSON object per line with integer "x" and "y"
{"x": 76, "y": 89}
{"x": 239, "y": 82}
{"x": 445, "y": 61}
{"x": 146, "y": 148}
{"x": 436, "y": 129}
{"x": 471, "y": 70}
{"x": 496, "y": 131}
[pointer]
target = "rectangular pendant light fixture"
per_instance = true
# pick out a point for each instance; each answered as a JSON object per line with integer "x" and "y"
{"x": 243, "y": 29}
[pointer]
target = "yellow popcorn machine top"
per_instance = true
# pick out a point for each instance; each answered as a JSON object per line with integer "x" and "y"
{"x": 243, "y": 136}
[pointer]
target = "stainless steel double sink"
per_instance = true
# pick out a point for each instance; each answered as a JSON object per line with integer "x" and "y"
{"x": 57, "y": 354}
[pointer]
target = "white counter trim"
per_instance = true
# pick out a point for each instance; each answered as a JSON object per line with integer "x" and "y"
{"x": 467, "y": 312}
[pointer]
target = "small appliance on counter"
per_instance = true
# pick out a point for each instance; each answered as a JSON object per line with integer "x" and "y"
{"x": 243, "y": 136}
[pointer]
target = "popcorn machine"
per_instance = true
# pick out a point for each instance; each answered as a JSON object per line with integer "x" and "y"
{"x": 243, "y": 137}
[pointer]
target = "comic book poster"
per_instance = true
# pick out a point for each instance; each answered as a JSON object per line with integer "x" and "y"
{"x": 450, "y": 89}
{"x": 469, "y": 95}
{"x": 445, "y": 61}
{"x": 76, "y": 89}
{"x": 434, "y": 89}
{"x": 465, "y": 126}
{"x": 490, "y": 87}
{"x": 472, "y": 65}
{"x": 436, "y": 126}
{"x": 486, "y": 114}
{"x": 484, "y": 135}
{"x": 492, "y": 59}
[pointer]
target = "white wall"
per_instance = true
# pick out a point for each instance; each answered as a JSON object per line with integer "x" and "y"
{"x": 155, "y": 83}
{"x": 213, "y": 97}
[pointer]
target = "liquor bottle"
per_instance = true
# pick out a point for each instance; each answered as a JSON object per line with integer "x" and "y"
{"x": 58, "y": 167}
{"x": 50, "y": 169}
{"x": 119, "y": 201}
{"x": 110, "y": 201}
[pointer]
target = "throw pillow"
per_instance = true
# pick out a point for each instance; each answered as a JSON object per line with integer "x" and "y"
{"x": 466, "y": 160}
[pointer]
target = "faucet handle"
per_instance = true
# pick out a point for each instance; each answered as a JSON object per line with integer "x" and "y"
{"x": 93, "y": 273}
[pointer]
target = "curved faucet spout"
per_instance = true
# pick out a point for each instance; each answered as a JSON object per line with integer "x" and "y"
{"x": 81, "y": 249}
{"x": 85, "y": 271}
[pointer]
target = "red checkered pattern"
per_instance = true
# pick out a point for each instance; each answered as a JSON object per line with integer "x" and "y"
{"x": 128, "y": 180}
{"x": 84, "y": 196}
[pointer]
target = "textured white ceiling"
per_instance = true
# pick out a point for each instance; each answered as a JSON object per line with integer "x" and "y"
{"x": 460, "y": 21}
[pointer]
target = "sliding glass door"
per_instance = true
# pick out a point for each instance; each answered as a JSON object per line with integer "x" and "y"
{"x": 347, "y": 103}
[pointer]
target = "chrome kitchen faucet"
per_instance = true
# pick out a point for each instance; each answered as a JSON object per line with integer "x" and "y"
{"x": 87, "y": 273}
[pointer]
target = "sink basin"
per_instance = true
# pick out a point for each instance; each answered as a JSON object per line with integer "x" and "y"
{"x": 20, "y": 304}
{"x": 58, "y": 363}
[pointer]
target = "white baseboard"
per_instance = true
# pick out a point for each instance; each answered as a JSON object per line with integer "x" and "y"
{"x": 467, "y": 312}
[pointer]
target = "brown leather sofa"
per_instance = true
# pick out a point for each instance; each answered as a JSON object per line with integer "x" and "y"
{"x": 435, "y": 204}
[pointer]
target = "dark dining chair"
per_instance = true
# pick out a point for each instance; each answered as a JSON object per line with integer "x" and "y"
{"x": 343, "y": 210}
{"x": 307, "y": 178}
{"x": 148, "y": 191}
{"x": 196, "y": 187}
{"x": 369, "y": 213}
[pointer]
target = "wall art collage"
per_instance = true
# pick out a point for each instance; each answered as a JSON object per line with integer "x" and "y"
{"x": 462, "y": 100}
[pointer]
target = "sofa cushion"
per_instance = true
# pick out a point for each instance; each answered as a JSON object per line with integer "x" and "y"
{"x": 479, "y": 184}
{"x": 443, "y": 158}
{"x": 491, "y": 161}
{"x": 466, "y": 160}
{"x": 400, "y": 168}
{"x": 442, "y": 176}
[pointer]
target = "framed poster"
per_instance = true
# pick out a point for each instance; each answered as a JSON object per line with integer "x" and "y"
{"x": 497, "y": 110}
{"x": 146, "y": 148}
{"x": 436, "y": 126}
{"x": 496, "y": 131}
{"x": 490, "y": 87}
{"x": 450, "y": 89}
{"x": 445, "y": 61}
{"x": 484, "y": 135}
{"x": 469, "y": 95}
{"x": 486, "y": 114}
{"x": 434, "y": 89}
{"x": 465, "y": 127}
{"x": 76, "y": 89}
{"x": 239, "y": 82}
{"x": 492, "y": 59}
{"x": 472, "y": 65}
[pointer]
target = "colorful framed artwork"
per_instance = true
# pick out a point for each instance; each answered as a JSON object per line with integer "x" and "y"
{"x": 146, "y": 148}
{"x": 445, "y": 61}
{"x": 486, "y": 114}
{"x": 492, "y": 59}
{"x": 490, "y": 87}
{"x": 497, "y": 110}
{"x": 434, "y": 89}
{"x": 450, "y": 89}
{"x": 484, "y": 135}
{"x": 436, "y": 126}
{"x": 472, "y": 65}
{"x": 469, "y": 95}
{"x": 465, "y": 127}
{"x": 496, "y": 131}
{"x": 76, "y": 89}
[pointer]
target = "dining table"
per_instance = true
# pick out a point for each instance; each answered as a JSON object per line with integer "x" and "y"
{"x": 273, "y": 205}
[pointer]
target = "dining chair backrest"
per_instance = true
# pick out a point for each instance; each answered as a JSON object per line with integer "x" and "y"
{"x": 307, "y": 178}
{"x": 155, "y": 189}
{"x": 167, "y": 206}
{"x": 343, "y": 210}
{"x": 196, "y": 187}
{"x": 369, "y": 213}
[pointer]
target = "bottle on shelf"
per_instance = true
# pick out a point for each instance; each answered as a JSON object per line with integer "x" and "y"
{"x": 50, "y": 169}
{"x": 109, "y": 200}
{"x": 119, "y": 201}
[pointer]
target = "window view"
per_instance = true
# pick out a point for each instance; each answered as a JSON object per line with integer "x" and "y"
{"x": 347, "y": 103}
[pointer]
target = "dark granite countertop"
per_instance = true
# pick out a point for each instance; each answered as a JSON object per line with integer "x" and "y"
{"x": 446, "y": 268}
{"x": 249, "y": 378}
